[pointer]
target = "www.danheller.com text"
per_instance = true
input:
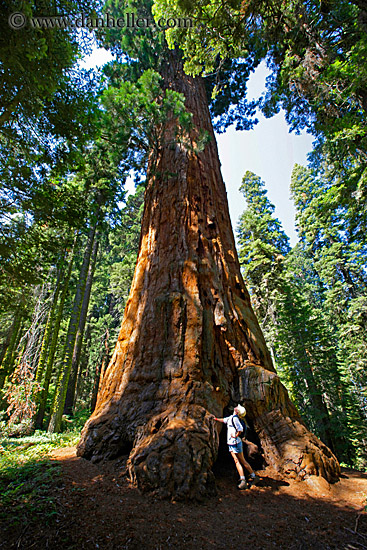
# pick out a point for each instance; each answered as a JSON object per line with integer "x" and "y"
{"x": 130, "y": 20}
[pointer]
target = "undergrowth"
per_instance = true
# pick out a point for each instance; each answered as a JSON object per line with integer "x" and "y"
{"x": 28, "y": 476}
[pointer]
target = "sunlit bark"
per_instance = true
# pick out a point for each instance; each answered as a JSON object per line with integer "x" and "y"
{"x": 190, "y": 344}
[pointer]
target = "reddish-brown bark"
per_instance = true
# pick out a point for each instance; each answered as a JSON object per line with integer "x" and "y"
{"x": 190, "y": 344}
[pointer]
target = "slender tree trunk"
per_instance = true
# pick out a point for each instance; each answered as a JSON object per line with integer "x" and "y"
{"x": 42, "y": 398}
{"x": 9, "y": 337}
{"x": 70, "y": 394}
{"x": 48, "y": 329}
{"x": 59, "y": 402}
{"x": 318, "y": 404}
{"x": 8, "y": 362}
{"x": 190, "y": 344}
{"x": 100, "y": 370}
{"x": 317, "y": 401}
{"x": 83, "y": 364}
{"x": 315, "y": 393}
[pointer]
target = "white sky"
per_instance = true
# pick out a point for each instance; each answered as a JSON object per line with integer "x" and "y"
{"x": 268, "y": 150}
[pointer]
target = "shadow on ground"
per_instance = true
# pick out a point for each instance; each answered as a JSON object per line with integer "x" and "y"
{"x": 98, "y": 508}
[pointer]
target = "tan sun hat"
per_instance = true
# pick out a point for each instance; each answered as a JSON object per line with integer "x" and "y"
{"x": 241, "y": 410}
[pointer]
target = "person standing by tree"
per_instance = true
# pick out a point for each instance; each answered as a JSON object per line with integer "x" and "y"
{"x": 234, "y": 429}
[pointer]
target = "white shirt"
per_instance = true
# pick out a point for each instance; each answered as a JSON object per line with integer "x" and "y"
{"x": 233, "y": 425}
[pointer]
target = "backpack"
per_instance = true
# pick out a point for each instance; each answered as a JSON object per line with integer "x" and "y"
{"x": 252, "y": 448}
{"x": 244, "y": 427}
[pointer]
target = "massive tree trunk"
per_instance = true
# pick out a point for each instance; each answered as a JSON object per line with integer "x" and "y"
{"x": 190, "y": 344}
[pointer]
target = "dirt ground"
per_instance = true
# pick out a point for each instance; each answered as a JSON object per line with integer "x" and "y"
{"x": 98, "y": 508}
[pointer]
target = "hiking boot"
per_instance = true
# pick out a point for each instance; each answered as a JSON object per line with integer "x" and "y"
{"x": 243, "y": 484}
{"x": 253, "y": 480}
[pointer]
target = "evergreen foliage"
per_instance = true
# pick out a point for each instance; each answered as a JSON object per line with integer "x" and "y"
{"x": 299, "y": 311}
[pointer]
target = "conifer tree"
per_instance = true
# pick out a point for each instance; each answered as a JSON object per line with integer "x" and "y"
{"x": 331, "y": 235}
{"x": 288, "y": 298}
{"x": 189, "y": 344}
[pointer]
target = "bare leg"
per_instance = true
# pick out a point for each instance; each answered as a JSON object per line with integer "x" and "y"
{"x": 238, "y": 463}
{"x": 244, "y": 463}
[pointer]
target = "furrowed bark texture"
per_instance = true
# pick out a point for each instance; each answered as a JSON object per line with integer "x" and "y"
{"x": 190, "y": 344}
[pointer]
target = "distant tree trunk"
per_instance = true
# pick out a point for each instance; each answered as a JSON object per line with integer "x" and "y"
{"x": 42, "y": 397}
{"x": 70, "y": 394}
{"x": 8, "y": 362}
{"x": 190, "y": 344}
{"x": 100, "y": 370}
{"x": 10, "y": 335}
{"x": 48, "y": 329}
{"x": 59, "y": 402}
{"x": 83, "y": 364}
{"x": 317, "y": 401}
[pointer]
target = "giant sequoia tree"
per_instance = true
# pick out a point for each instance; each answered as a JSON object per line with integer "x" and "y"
{"x": 190, "y": 345}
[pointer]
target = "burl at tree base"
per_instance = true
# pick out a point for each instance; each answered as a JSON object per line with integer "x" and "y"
{"x": 190, "y": 344}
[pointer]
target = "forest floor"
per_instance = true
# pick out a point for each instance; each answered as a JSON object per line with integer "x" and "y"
{"x": 95, "y": 506}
